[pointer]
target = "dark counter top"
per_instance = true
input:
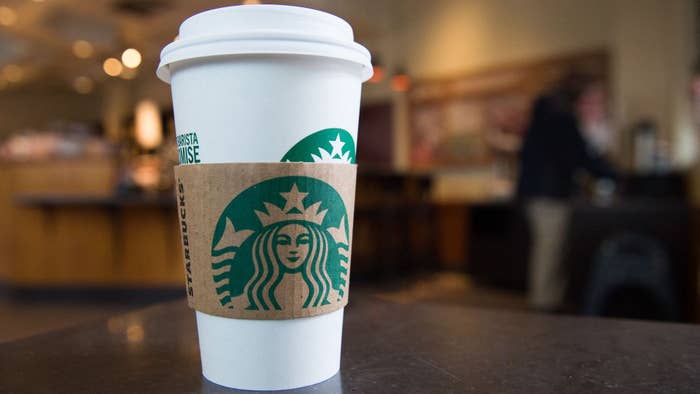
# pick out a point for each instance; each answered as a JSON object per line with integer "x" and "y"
{"x": 387, "y": 348}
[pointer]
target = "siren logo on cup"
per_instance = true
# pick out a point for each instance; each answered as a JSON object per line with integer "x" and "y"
{"x": 324, "y": 146}
{"x": 286, "y": 228}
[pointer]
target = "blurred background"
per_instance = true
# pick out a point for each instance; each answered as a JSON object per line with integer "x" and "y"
{"x": 535, "y": 155}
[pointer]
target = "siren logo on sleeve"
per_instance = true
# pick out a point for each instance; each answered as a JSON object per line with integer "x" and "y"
{"x": 286, "y": 228}
{"x": 324, "y": 146}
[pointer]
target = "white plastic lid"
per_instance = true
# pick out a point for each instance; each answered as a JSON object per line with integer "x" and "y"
{"x": 264, "y": 29}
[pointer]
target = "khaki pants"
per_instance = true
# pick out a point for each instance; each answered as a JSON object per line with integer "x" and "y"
{"x": 548, "y": 225}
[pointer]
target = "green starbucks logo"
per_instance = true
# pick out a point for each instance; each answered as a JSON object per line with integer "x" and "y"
{"x": 281, "y": 229}
{"x": 325, "y": 146}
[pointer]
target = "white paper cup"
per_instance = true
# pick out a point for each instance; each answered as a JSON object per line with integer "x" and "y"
{"x": 252, "y": 82}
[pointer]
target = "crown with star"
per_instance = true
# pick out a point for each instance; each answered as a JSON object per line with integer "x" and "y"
{"x": 336, "y": 155}
{"x": 293, "y": 209}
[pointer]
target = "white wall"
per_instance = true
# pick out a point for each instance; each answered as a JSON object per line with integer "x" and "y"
{"x": 651, "y": 43}
{"x": 445, "y": 37}
{"x": 654, "y": 48}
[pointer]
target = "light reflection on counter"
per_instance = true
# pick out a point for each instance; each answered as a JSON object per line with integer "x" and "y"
{"x": 133, "y": 330}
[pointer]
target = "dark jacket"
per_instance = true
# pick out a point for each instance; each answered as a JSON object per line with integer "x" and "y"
{"x": 553, "y": 151}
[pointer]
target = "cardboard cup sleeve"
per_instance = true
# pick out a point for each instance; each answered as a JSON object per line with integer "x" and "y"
{"x": 266, "y": 241}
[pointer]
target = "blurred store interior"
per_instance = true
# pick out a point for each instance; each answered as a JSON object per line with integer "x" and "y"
{"x": 87, "y": 214}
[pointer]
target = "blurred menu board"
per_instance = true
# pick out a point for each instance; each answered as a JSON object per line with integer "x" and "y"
{"x": 480, "y": 118}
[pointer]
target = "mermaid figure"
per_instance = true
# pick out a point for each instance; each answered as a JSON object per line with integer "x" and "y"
{"x": 287, "y": 241}
{"x": 288, "y": 248}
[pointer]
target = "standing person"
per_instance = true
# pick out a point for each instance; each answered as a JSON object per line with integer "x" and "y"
{"x": 554, "y": 151}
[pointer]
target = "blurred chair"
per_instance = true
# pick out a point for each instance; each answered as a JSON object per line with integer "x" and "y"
{"x": 669, "y": 222}
{"x": 631, "y": 277}
{"x": 500, "y": 238}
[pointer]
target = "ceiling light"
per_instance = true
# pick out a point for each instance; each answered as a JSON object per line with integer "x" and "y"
{"x": 112, "y": 67}
{"x": 8, "y": 16}
{"x": 400, "y": 82}
{"x": 83, "y": 85}
{"x": 377, "y": 74}
{"x": 131, "y": 58}
{"x": 148, "y": 126}
{"x": 13, "y": 73}
{"x": 82, "y": 49}
{"x": 251, "y": 2}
